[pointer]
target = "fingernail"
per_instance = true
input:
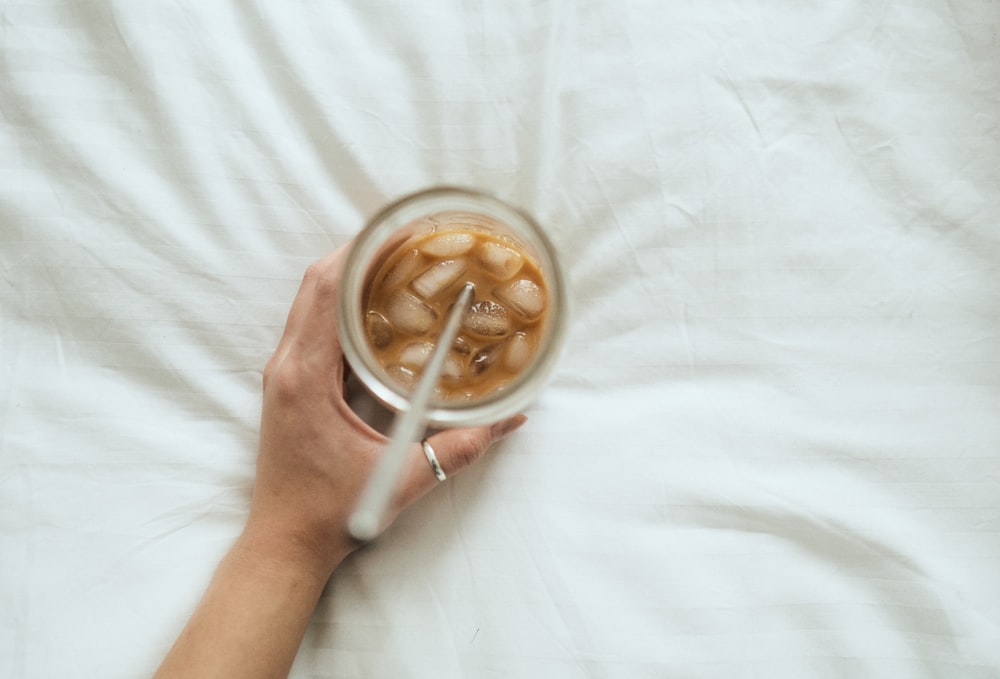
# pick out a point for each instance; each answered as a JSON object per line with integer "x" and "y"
{"x": 505, "y": 427}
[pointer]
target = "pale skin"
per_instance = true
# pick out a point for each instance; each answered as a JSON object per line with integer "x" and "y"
{"x": 314, "y": 461}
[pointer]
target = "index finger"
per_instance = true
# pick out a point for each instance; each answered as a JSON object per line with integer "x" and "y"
{"x": 313, "y": 313}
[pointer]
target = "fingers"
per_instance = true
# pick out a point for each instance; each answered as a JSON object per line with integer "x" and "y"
{"x": 312, "y": 315}
{"x": 314, "y": 307}
{"x": 455, "y": 450}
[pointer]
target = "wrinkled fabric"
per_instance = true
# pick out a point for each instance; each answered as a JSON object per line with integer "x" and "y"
{"x": 770, "y": 448}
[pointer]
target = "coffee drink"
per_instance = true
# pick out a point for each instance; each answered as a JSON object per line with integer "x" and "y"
{"x": 409, "y": 296}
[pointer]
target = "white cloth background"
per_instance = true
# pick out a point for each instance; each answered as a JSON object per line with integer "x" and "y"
{"x": 770, "y": 450}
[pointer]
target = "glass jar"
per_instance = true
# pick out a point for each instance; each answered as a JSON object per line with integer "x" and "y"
{"x": 442, "y": 208}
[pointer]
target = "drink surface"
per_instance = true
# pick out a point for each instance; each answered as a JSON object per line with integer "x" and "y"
{"x": 407, "y": 303}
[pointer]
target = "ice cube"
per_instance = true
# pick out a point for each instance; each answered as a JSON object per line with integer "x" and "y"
{"x": 408, "y": 314}
{"x": 379, "y": 330}
{"x": 415, "y": 354}
{"x": 402, "y": 375}
{"x": 517, "y": 352}
{"x": 524, "y": 295}
{"x": 484, "y": 359}
{"x": 487, "y": 318}
{"x": 403, "y": 269}
{"x": 500, "y": 260}
{"x": 454, "y": 368}
{"x": 448, "y": 244}
{"x": 433, "y": 281}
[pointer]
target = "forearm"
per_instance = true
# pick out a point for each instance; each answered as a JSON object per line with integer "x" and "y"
{"x": 253, "y": 616}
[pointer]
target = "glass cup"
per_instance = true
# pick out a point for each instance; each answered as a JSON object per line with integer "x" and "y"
{"x": 444, "y": 209}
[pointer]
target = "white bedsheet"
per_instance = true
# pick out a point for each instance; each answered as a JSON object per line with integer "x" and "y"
{"x": 772, "y": 448}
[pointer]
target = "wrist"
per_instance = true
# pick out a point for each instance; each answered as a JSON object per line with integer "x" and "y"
{"x": 273, "y": 549}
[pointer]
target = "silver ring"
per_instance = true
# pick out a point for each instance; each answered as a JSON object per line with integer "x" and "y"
{"x": 432, "y": 458}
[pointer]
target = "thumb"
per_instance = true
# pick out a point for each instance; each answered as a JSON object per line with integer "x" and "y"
{"x": 455, "y": 449}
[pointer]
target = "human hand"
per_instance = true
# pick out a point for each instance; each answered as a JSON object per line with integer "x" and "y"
{"x": 316, "y": 455}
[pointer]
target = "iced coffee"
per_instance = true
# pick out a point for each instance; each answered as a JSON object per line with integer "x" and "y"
{"x": 409, "y": 296}
{"x": 403, "y": 274}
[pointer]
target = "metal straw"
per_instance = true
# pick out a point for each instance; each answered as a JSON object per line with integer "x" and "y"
{"x": 366, "y": 520}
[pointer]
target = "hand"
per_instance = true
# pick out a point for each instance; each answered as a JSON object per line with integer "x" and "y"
{"x": 316, "y": 455}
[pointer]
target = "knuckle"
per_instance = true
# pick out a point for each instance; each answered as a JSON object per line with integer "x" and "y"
{"x": 274, "y": 365}
{"x": 326, "y": 286}
{"x": 269, "y": 369}
{"x": 321, "y": 278}
{"x": 284, "y": 383}
{"x": 312, "y": 272}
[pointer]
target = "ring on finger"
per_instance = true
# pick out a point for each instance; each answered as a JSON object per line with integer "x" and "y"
{"x": 432, "y": 458}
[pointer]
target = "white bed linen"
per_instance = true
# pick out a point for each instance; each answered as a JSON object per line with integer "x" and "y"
{"x": 770, "y": 450}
